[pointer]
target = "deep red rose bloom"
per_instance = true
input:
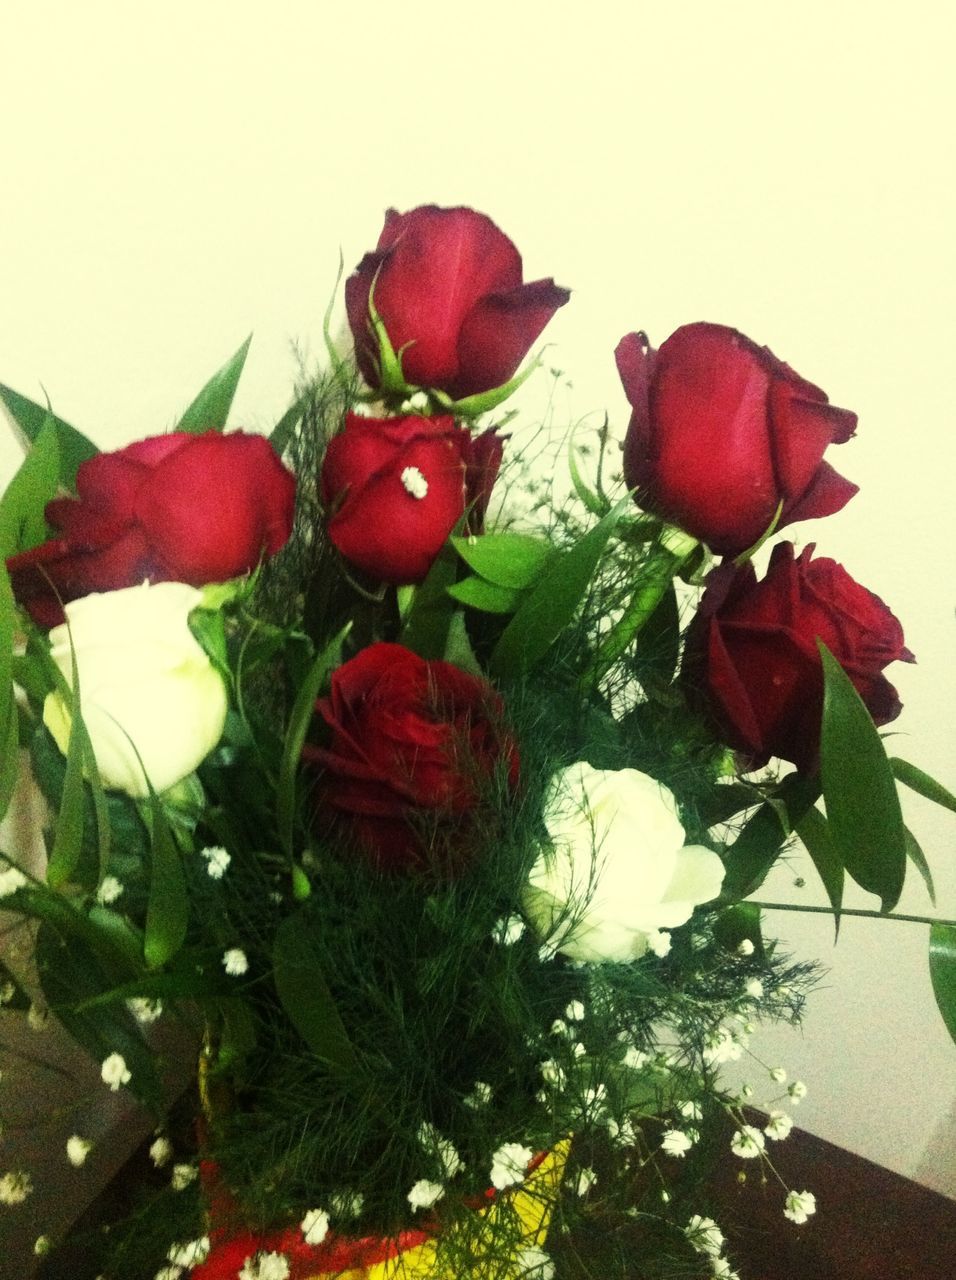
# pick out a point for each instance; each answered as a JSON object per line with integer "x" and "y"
{"x": 752, "y": 652}
{"x": 413, "y": 745}
{"x": 172, "y": 508}
{"x": 395, "y": 488}
{"x": 722, "y": 432}
{"x": 449, "y": 283}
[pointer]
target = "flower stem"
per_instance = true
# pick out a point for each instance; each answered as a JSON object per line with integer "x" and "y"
{"x": 849, "y": 911}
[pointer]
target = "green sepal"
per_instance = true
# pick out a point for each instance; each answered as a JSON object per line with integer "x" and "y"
{"x": 552, "y": 604}
{"x": 485, "y": 596}
{"x": 922, "y": 783}
{"x": 753, "y": 853}
{"x": 210, "y": 409}
{"x": 305, "y": 995}
{"x": 942, "y": 969}
{"x": 770, "y": 530}
{"x": 74, "y": 447}
{"x": 813, "y": 829}
{"x": 302, "y": 712}
{"x": 22, "y": 523}
{"x": 512, "y": 560}
{"x": 863, "y": 807}
{"x": 484, "y": 401}
{"x": 391, "y": 379}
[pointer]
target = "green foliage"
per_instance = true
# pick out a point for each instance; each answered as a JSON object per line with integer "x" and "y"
{"x": 210, "y": 409}
{"x": 942, "y": 967}
{"x": 22, "y": 522}
{"x": 73, "y": 447}
{"x": 922, "y": 783}
{"x": 756, "y": 848}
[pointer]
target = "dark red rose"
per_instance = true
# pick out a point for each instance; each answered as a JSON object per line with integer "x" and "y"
{"x": 448, "y": 283}
{"x": 394, "y": 488}
{"x": 414, "y": 744}
{"x": 172, "y": 508}
{"x": 722, "y": 432}
{"x": 752, "y": 652}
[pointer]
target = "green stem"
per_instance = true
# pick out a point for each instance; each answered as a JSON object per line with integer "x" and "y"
{"x": 849, "y": 911}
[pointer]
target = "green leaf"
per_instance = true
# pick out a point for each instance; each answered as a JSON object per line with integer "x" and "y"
{"x": 68, "y": 835}
{"x": 325, "y": 662}
{"x": 167, "y": 911}
{"x": 863, "y": 808}
{"x": 283, "y": 430}
{"x": 723, "y": 802}
{"x": 918, "y": 859}
{"x": 22, "y": 522}
{"x": 592, "y": 500}
{"x": 30, "y": 417}
{"x": 9, "y": 753}
{"x": 506, "y": 559}
{"x": 305, "y": 995}
{"x": 458, "y": 650}
{"x": 737, "y": 924}
{"x": 922, "y": 783}
{"x": 755, "y": 850}
{"x": 210, "y": 409}
{"x": 476, "y": 593}
{"x": 813, "y": 830}
{"x": 942, "y": 968}
{"x": 8, "y": 708}
{"x": 425, "y": 631}
{"x": 550, "y": 607}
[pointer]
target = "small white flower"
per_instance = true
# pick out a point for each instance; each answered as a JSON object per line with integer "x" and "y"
{"x": 509, "y": 1165}
{"x": 315, "y": 1226}
{"x": 559, "y": 1027}
{"x": 535, "y": 1264}
{"x": 109, "y": 890}
{"x": 15, "y": 1186}
{"x": 265, "y": 1266}
{"x": 235, "y": 962}
{"x": 362, "y": 410}
{"x": 704, "y": 1235}
{"x": 675, "y": 1143}
{"x": 575, "y": 1011}
{"x": 414, "y": 482}
{"x": 145, "y": 1010}
{"x": 417, "y": 402}
{"x": 508, "y": 930}
{"x": 553, "y": 1073}
{"x": 217, "y": 860}
{"x": 634, "y": 1058}
{"x": 161, "y": 1152}
{"x": 189, "y": 1254}
{"x": 480, "y": 1095}
{"x": 42, "y": 1246}
{"x": 745, "y": 947}
{"x": 7, "y": 992}
{"x": 38, "y": 1017}
{"x": 754, "y": 988}
{"x": 115, "y": 1072}
{"x": 77, "y": 1149}
{"x": 585, "y": 1181}
{"x": 659, "y": 942}
{"x": 797, "y": 1090}
{"x": 723, "y": 1270}
{"x": 721, "y": 1047}
{"x": 595, "y": 1096}
{"x": 747, "y": 1142}
{"x": 182, "y": 1175}
{"x": 691, "y": 1110}
{"x": 778, "y": 1074}
{"x": 346, "y": 1204}
{"x": 579, "y": 1050}
{"x": 747, "y": 1091}
{"x": 778, "y": 1126}
{"x": 424, "y": 1194}
{"x": 11, "y": 880}
{"x": 799, "y": 1206}
{"x": 442, "y": 1149}
{"x": 623, "y": 1133}
{"x": 169, "y": 1273}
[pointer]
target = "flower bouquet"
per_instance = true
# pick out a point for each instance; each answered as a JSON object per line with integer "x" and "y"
{"x": 430, "y": 792}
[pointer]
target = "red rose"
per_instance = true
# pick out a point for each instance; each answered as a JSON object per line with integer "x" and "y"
{"x": 448, "y": 283}
{"x": 722, "y": 432}
{"x": 395, "y": 488}
{"x": 172, "y": 508}
{"x": 752, "y": 650}
{"x": 413, "y": 745}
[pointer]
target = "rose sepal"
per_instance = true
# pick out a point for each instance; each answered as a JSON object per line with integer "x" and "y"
{"x": 484, "y": 401}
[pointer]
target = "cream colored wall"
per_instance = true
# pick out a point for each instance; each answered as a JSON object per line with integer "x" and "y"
{"x": 175, "y": 176}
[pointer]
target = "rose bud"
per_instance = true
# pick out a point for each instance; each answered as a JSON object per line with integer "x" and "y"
{"x": 722, "y": 434}
{"x": 394, "y": 489}
{"x": 752, "y": 652}
{"x": 172, "y": 508}
{"x": 448, "y": 289}
{"x": 145, "y": 683}
{"x": 414, "y": 743}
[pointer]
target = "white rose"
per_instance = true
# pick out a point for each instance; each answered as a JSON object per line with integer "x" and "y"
{"x": 143, "y": 676}
{"x": 618, "y": 870}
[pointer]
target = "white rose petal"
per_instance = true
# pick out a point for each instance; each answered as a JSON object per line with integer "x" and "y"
{"x": 144, "y": 679}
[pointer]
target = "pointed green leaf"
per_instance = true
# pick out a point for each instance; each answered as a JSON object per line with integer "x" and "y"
{"x": 167, "y": 911}
{"x": 918, "y": 859}
{"x": 485, "y": 401}
{"x": 755, "y": 850}
{"x": 813, "y": 830}
{"x": 863, "y": 808}
{"x": 552, "y": 604}
{"x": 30, "y": 417}
{"x": 458, "y": 650}
{"x": 9, "y": 753}
{"x": 8, "y": 712}
{"x": 476, "y": 593}
{"x": 593, "y": 501}
{"x": 737, "y": 924}
{"x": 210, "y": 409}
{"x": 22, "y": 522}
{"x": 425, "y": 631}
{"x": 513, "y": 560}
{"x": 942, "y": 968}
{"x": 726, "y": 801}
{"x": 68, "y": 834}
{"x": 324, "y": 663}
{"x": 305, "y": 994}
{"x": 284, "y": 429}
{"x": 922, "y": 783}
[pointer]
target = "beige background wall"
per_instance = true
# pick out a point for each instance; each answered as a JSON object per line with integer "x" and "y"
{"x": 174, "y": 176}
